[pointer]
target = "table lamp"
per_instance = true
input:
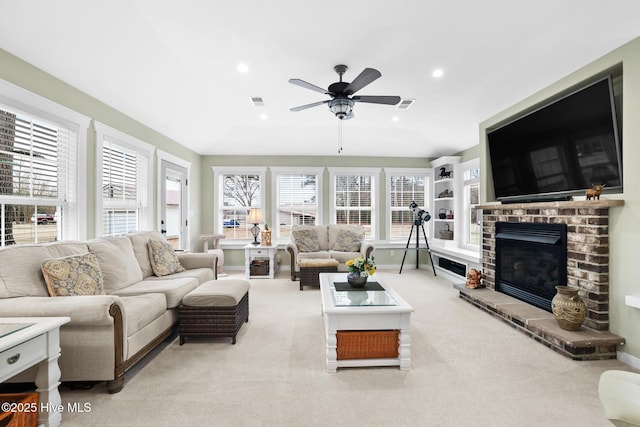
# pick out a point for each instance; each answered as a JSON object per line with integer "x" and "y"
{"x": 255, "y": 218}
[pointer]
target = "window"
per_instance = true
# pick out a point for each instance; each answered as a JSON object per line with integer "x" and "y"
{"x": 472, "y": 215}
{"x": 405, "y": 186}
{"x": 238, "y": 190}
{"x": 40, "y": 144}
{"x": 297, "y": 193}
{"x": 124, "y": 188}
{"x": 353, "y": 198}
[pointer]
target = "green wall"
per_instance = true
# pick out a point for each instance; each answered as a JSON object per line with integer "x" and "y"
{"x": 26, "y": 76}
{"x": 624, "y": 225}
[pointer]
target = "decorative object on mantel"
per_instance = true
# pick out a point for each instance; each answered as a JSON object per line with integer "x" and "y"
{"x": 594, "y": 193}
{"x": 266, "y": 236}
{"x": 445, "y": 174}
{"x": 474, "y": 279}
{"x": 568, "y": 308}
{"x": 359, "y": 270}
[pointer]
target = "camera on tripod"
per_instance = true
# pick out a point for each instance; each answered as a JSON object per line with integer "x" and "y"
{"x": 421, "y": 214}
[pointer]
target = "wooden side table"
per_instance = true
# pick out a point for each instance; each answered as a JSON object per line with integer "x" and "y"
{"x": 37, "y": 343}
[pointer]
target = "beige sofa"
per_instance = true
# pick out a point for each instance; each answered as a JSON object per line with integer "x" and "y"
{"x": 107, "y": 333}
{"x": 341, "y": 242}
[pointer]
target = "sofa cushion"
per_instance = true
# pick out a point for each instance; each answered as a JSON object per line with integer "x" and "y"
{"x": 163, "y": 258}
{"x": 306, "y": 240}
{"x": 139, "y": 241}
{"x": 117, "y": 260}
{"x": 73, "y": 275}
{"x": 345, "y": 237}
{"x": 173, "y": 289}
{"x": 140, "y": 310}
{"x": 200, "y": 274}
{"x": 20, "y": 266}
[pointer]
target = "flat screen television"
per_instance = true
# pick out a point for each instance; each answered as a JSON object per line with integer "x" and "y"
{"x": 560, "y": 149}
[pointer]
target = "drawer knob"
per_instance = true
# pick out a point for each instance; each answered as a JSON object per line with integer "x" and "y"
{"x": 13, "y": 359}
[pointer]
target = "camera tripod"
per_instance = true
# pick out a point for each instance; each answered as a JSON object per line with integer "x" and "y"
{"x": 418, "y": 223}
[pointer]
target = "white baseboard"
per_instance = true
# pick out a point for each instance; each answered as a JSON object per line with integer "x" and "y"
{"x": 630, "y": 360}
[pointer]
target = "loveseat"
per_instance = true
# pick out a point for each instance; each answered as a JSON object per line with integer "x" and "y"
{"x": 113, "y": 325}
{"x": 341, "y": 242}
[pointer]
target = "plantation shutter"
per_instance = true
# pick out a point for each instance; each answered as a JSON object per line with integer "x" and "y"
{"x": 37, "y": 175}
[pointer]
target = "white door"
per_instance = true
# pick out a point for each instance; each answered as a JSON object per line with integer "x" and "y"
{"x": 174, "y": 222}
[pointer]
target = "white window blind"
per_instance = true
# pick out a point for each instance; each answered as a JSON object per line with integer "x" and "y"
{"x": 125, "y": 182}
{"x": 354, "y": 199}
{"x": 297, "y": 199}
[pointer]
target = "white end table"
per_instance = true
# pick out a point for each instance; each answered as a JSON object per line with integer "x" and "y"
{"x": 253, "y": 252}
{"x": 36, "y": 344}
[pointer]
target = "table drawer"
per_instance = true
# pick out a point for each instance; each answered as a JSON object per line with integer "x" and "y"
{"x": 258, "y": 252}
{"x": 18, "y": 358}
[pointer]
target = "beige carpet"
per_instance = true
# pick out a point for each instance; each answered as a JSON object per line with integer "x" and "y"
{"x": 468, "y": 369}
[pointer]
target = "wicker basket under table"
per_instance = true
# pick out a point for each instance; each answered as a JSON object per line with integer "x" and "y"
{"x": 367, "y": 344}
{"x": 311, "y": 268}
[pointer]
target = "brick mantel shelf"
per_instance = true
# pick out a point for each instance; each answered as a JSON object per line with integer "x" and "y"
{"x": 587, "y": 270}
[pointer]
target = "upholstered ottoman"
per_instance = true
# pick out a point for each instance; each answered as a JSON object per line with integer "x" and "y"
{"x": 216, "y": 308}
{"x": 311, "y": 268}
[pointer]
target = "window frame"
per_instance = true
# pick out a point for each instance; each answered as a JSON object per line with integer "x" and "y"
{"x": 22, "y": 101}
{"x": 276, "y": 172}
{"x": 218, "y": 194}
{"x": 427, "y": 173}
{"x": 138, "y": 147}
{"x": 466, "y": 205}
{"x": 374, "y": 173}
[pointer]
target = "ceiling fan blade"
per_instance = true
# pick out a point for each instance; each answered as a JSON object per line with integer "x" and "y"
{"x": 308, "y": 85}
{"x": 389, "y": 100}
{"x": 304, "y": 107}
{"x": 367, "y": 76}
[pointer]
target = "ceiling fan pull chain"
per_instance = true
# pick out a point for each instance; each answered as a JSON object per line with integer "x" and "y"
{"x": 340, "y": 137}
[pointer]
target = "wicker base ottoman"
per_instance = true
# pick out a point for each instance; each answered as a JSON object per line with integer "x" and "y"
{"x": 217, "y": 308}
{"x": 310, "y": 268}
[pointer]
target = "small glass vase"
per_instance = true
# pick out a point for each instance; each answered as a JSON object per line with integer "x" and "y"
{"x": 356, "y": 281}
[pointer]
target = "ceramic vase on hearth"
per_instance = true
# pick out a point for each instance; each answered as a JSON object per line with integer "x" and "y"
{"x": 355, "y": 280}
{"x": 568, "y": 308}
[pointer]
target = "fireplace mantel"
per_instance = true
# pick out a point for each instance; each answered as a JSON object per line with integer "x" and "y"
{"x": 573, "y": 204}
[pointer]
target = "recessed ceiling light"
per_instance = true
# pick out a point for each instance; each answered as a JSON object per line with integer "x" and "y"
{"x": 242, "y": 68}
{"x": 437, "y": 73}
{"x": 264, "y": 116}
{"x": 395, "y": 118}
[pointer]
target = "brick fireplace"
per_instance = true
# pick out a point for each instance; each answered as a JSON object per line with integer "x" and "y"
{"x": 587, "y": 242}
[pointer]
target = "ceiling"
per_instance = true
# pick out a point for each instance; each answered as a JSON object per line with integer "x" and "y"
{"x": 172, "y": 65}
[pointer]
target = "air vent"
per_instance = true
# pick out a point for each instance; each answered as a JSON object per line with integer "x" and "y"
{"x": 257, "y": 101}
{"x": 405, "y": 103}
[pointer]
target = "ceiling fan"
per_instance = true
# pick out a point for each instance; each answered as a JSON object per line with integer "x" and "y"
{"x": 341, "y": 93}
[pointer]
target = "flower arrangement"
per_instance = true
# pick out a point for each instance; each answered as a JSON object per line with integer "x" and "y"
{"x": 361, "y": 266}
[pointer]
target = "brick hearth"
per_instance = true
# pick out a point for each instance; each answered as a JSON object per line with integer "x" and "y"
{"x": 587, "y": 270}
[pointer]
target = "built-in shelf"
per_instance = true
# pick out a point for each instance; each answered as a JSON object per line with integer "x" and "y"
{"x": 632, "y": 301}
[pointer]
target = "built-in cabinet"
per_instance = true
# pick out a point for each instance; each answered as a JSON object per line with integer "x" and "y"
{"x": 447, "y": 222}
{"x": 445, "y": 199}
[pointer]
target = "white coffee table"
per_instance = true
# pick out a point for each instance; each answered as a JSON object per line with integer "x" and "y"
{"x": 363, "y": 318}
{"x": 37, "y": 342}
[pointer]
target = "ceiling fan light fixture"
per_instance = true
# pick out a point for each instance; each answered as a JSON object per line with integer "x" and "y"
{"x": 341, "y": 107}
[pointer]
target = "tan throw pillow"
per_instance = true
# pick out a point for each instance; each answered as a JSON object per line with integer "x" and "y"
{"x": 73, "y": 275}
{"x": 306, "y": 240}
{"x": 163, "y": 258}
{"x": 348, "y": 241}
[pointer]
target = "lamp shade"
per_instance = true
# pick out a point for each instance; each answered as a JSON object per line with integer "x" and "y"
{"x": 255, "y": 216}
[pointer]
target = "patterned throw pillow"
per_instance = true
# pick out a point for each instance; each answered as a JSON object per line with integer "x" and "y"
{"x": 348, "y": 241}
{"x": 306, "y": 240}
{"x": 73, "y": 275}
{"x": 163, "y": 258}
